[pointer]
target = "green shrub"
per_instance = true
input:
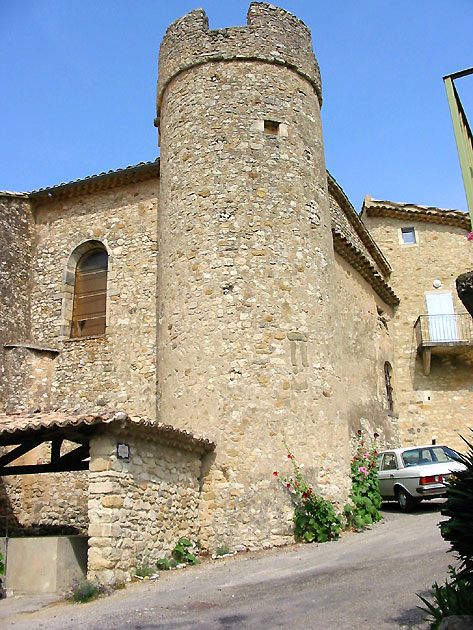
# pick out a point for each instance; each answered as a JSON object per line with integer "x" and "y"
{"x": 453, "y": 598}
{"x": 458, "y": 529}
{"x": 365, "y": 496}
{"x": 85, "y": 590}
{"x": 2, "y": 565}
{"x": 315, "y": 519}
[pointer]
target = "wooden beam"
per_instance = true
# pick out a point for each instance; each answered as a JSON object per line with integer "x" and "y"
{"x": 42, "y": 468}
{"x": 426, "y": 358}
{"x": 56, "y": 450}
{"x": 20, "y": 450}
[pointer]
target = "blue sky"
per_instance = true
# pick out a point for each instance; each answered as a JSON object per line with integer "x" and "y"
{"x": 79, "y": 87}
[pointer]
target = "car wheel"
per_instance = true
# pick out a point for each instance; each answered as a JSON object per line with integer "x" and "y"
{"x": 405, "y": 500}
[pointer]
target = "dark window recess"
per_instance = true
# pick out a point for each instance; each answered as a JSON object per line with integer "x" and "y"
{"x": 389, "y": 387}
{"x": 90, "y": 294}
{"x": 271, "y": 127}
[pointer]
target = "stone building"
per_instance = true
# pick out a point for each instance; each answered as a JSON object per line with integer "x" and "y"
{"x": 432, "y": 332}
{"x": 227, "y": 296}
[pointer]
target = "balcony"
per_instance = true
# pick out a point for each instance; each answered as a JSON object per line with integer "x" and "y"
{"x": 443, "y": 335}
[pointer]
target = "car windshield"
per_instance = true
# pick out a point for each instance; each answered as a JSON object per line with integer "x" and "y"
{"x": 429, "y": 455}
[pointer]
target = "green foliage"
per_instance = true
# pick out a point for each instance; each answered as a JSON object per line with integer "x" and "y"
{"x": 144, "y": 571}
{"x": 163, "y": 564}
{"x": 85, "y": 590}
{"x": 222, "y": 550}
{"x": 458, "y": 529}
{"x": 453, "y": 598}
{"x": 2, "y": 565}
{"x": 364, "y": 495}
{"x": 182, "y": 554}
{"x": 315, "y": 519}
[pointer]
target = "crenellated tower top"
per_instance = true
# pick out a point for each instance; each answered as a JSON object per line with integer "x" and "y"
{"x": 272, "y": 35}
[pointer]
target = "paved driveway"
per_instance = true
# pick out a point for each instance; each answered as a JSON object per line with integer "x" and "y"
{"x": 365, "y": 581}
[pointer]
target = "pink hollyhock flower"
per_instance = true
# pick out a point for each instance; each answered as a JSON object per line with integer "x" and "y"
{"x": 363, "y": 469}
{"x": 366, "y": 456}
{"x": 288, "y": 485}
{"x": 470, "y": 237}
{"x": 275, "y": 473}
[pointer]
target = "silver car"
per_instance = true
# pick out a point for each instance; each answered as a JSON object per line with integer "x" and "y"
{"x": 411, "y": 474}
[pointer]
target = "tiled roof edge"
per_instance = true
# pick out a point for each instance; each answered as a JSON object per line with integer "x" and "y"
{"x": 102, "y": 181}
{"x": 47, "y": 420}
{"x": 360, "y": 228}
{"x": 15, "y": 195}
{"x": 429, "y": 214}
{"x": 359, "y": 262}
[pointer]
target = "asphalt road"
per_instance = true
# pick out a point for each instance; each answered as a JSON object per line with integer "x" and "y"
{"x": 365, "y": 581}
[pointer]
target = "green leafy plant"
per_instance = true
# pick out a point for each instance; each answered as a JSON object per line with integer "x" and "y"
{"x": 455, "y": 597}
{"x": 222, "y": 550}
{"x": 163, "y": 564}
{"x": 84, "y": 590}
{"x": 315, "y": 519}
{"x": 365, "y": 496}
{"x": 182, "y": 554}
{"x": 2, "y": 565}
{"x": 458, "y": 529}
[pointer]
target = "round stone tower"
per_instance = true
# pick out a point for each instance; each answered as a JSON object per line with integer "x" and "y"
{"x": 245, "y": 284}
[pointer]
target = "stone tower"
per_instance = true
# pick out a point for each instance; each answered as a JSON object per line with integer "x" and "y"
{"x": 245, "y": 278}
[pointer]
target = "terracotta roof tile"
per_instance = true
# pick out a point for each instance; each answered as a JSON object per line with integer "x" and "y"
{"x": 429, "y": 214}
{"x": 102, "y": 181}
{"x": 15, "y": 425}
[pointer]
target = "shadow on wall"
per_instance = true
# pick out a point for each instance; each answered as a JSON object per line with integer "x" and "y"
{"x": 373, "y": 417}
{"x": 447, "y": 374}
{"x": 11, "y": 526}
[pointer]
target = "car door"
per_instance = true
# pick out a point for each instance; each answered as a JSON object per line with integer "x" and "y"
{"x": 387, "y": 475}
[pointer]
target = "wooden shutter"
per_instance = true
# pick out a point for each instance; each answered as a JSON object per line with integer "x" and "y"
{"x": 90, "y": 294}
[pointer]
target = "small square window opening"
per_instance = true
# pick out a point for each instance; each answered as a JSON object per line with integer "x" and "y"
{"x": 271, "y": 127}
{"x": 408, "y": 236}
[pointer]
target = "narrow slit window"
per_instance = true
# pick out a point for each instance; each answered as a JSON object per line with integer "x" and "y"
{"x": 389, "y": 387}
{"x": 408, "y": 236}
{"x": 271, "y": 127}
{"x": 90, "y": 294}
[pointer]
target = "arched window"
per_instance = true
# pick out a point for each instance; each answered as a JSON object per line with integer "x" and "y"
{"x": 389, "y": 388}
{"x": 90, "y": 294}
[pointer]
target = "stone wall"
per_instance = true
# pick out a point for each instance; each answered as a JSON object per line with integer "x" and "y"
{"x": 16, "y": 251}
{"x": 119, "y": 368}
{"x": 435, "y": 406}
{"x": 139, "y": 508}
{"x": 48, "y": 503}
{"x": 30, "y": 371}
{"x": 366, "y": 345}
{"x": 245, "y": 281}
